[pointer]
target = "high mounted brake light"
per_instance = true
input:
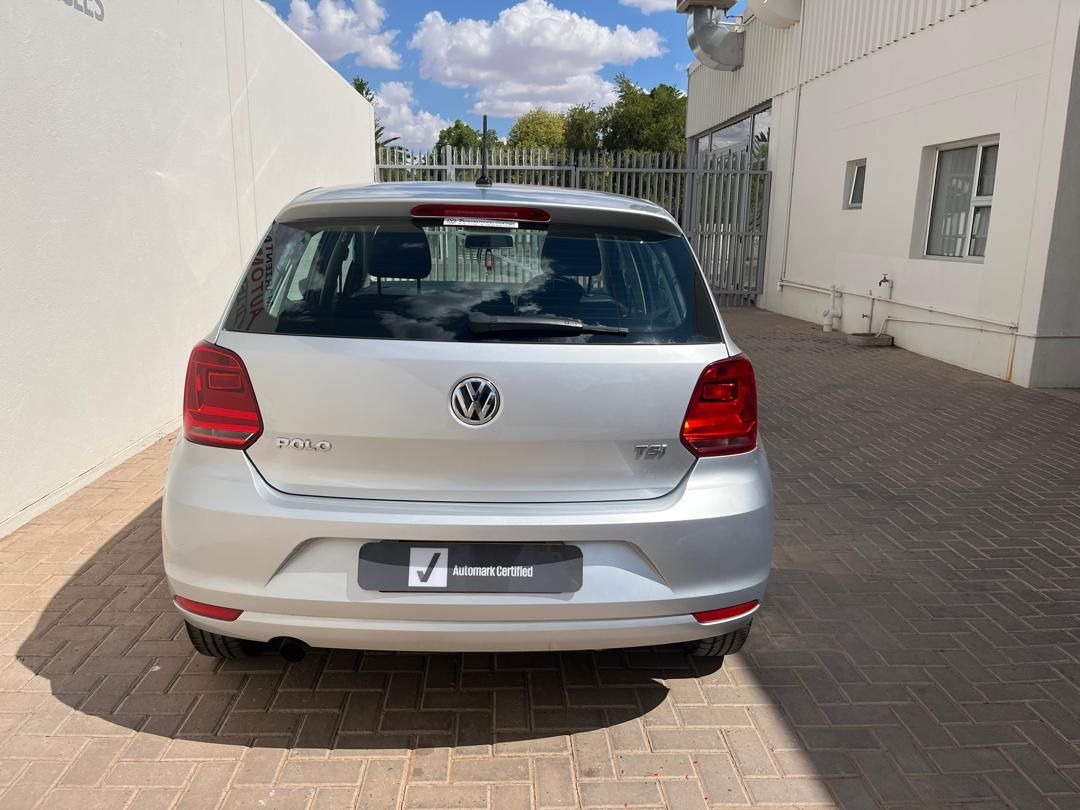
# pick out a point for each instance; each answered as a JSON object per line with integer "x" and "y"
{"x": 220, "y": 409}
{"x": 508, "y": 212}
{"x": 721, "y": 418}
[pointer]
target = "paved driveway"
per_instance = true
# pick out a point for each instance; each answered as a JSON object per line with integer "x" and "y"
{"x": 920, "y": 646}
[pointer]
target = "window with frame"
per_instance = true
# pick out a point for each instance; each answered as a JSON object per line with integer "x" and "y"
{"x": 961, "y": 200}
{"x": 856, "y": 183}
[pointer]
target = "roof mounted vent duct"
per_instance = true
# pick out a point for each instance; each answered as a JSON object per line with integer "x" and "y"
{"x": 717, "y": 43}
{"x": 684, "y": 6}
{"x": 777, "y": 13}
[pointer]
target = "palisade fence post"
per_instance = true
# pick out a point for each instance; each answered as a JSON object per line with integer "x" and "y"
{"x": 448, "y": 160}
{"x": 688, "y": 179}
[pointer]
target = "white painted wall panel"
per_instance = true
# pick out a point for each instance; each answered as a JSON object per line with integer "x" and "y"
{"x": 975, "y": 76}
{"x": 142, "y": 155}
{"x": 832, "y": 33}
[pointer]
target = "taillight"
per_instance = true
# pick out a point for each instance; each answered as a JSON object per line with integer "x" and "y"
{"x": 219, "y": 403}
{"x": 722, "y": 415}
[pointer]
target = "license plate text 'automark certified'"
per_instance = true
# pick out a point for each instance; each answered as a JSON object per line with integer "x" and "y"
{"x": 470, "y": 567}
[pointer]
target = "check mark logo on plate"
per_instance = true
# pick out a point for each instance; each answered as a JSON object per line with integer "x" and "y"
{"x": 426, "y": 575}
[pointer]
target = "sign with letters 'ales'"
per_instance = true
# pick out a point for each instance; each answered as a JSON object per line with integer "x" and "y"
{"x": 91, "y": 8}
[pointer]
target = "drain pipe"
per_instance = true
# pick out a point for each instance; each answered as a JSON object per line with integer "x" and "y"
{"x": 830, "y": 318}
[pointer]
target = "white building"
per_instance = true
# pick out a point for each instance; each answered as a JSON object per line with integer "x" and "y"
{"x": 144, "y": 148}
{"x": 935, "y": 143}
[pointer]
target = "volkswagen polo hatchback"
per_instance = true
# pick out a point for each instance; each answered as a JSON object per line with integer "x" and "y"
{"x": 442, "y": 417}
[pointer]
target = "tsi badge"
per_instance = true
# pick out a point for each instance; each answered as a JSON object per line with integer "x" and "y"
{"x": 427, "y": 567}
{"x": 647, "y": 451}
{"x": 302, "y": 444}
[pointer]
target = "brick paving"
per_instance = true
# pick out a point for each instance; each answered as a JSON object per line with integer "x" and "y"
{"x": 920, "y": 646}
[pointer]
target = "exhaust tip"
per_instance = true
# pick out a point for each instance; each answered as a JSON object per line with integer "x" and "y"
{"x": 292, "y": 650}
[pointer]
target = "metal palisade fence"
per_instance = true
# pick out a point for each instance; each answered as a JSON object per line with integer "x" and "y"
{"x": 720, "y": 199}
{"x": 656, "y": 176}
{"x": 726, "y": 219}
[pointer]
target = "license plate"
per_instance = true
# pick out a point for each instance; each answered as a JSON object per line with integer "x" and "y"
{"x": 470, "y": 567}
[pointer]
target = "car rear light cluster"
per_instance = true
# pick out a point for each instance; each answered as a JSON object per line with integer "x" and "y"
{"x": 220, "y": 409}
{"x": 721, "y": 418}
{"x": 506, "y": 212}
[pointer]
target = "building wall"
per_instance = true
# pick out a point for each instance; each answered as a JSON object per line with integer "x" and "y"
{"x": 974, "y": 74}
{"x": 831, "y": 34}
{"x": 142, "y": 155}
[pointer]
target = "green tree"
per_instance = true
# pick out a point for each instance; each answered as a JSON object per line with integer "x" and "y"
{"x": 582, "y": 128}
{"x": 462, "y": 136}
{"x": 653, "y": 121}
{"x": 363, "y": 88}
{"x": 538, "y": 128}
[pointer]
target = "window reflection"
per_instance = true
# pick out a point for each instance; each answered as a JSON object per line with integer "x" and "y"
{"x": 749, "y": 134}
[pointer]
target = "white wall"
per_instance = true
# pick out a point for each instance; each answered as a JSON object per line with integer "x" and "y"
{"x": 978, "y": 74}
{"x": 831, "y": 34}
{"x": 141, "y": 157}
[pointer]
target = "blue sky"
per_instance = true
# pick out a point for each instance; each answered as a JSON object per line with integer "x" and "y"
{"x": 452, "y": 60}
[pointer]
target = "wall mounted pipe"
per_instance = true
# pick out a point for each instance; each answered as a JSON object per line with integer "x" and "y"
{"x": 799, "y": 285}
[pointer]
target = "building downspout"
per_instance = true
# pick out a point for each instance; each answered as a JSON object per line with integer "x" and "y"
{"x": 794, "y": 152}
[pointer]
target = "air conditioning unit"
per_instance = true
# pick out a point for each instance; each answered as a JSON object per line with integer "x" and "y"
{"x": 686, "y": 6}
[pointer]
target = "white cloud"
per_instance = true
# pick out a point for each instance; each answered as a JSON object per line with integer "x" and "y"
{"x": 650, "y": 6}
{"x": 396, "y": 107}
{"x": 338, "y": 28}
{"x": 532, "y": 55}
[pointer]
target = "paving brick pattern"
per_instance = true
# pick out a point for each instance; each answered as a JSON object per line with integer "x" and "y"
{"x": 920, "y": 646}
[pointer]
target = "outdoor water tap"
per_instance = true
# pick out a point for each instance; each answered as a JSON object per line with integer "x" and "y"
{"x": 886, "y": 284}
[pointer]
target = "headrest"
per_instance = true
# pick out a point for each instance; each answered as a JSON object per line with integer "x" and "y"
{"x": 571, "y": 255}
{"x": 400, "y": 253}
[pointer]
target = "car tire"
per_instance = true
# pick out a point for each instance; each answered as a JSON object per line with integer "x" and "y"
{"x": 214, "y": 645}
{"x": 719, "y": 646}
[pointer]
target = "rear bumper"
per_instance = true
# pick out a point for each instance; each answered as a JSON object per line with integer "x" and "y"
{"x": 290, "y": 562}
{"x": 469, "y": 636}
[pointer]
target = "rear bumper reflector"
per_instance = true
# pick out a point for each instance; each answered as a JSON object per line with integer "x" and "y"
{"x": 223, "y": 614}
{"x": 723, "y": 614}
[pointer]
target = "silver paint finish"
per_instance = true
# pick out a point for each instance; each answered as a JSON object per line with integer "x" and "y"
{"x": 662, "y": 534}
{"x": 291, "y": 561}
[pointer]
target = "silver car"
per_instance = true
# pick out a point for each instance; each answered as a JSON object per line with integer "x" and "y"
{"x": 437, "y": 417}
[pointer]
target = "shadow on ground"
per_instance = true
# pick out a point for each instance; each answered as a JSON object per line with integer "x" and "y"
{"x": 920, "y": 645}
{"x": 111, "y": 645}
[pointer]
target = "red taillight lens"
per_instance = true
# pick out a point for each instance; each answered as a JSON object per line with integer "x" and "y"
{"x": 209, "y": 611}
{"x": 219, "y": 403}
{"x": 721, "y": 614}
{"x": 722, "y": 416}
{"x": 481, "y": 212}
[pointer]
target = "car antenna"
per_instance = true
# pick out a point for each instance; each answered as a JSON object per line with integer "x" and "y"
{"x": 483, "y": 181}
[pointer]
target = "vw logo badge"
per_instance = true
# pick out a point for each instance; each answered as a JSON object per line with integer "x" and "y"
{"x": 475, "y": 401}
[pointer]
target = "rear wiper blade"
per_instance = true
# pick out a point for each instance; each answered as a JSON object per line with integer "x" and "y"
{"x": 481, "y": 324}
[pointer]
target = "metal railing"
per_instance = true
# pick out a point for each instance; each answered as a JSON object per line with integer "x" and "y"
{"x": 721, "y": 199}
{"x": 656, "y": 176}
{"x": 726, "y": 220}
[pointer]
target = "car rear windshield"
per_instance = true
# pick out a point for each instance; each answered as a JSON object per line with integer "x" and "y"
{"x": 432, "y": 280}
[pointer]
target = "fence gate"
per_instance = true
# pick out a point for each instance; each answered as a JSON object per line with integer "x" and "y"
{"x": 721, "y": 200}
{"x": 726, "y": 218}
